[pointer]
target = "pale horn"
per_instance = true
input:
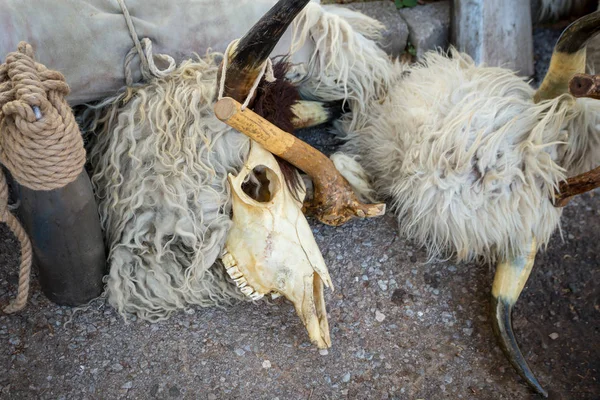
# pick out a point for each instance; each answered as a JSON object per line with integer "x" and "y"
{"x": 509, "y": 281}
{"x": 568, "y": 57}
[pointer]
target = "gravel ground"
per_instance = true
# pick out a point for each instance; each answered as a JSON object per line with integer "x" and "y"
{"x": 401, "y": 328}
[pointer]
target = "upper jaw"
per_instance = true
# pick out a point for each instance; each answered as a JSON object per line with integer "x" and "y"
{"x": 238, "y": 277}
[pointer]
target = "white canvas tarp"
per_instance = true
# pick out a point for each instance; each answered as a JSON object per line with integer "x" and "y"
{"x": 87, "y": 40}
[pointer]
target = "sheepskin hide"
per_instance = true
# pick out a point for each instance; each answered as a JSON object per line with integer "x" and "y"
{"x": 466, "y": 158}
{"x": 160, "y": 164}
{"x": 346, "y": 64}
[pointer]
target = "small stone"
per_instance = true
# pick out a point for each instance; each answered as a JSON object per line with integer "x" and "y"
{"x": 15, "y": 341}
{"x": 398, "y": 297}
{"x": 127, "y": 385}
{"x": 240, "y": 352}
{"x": 212, "y": 396}
{"x": 346, "y": 378}
{"x": 117, "y": 367}
{"x": 379, "y": 316}
{"x": 448, "y": 379}
{"x": 266, "y": 364}
{"x": 553, "y": 336}
{"x": 174, "y": 391}
{"x": 382, "y": 285}
{"x": 323, "y": 352}
{"x": 154, "y": 390}
{"x": 468, "y": 331}
{"x": 428, "y": 26}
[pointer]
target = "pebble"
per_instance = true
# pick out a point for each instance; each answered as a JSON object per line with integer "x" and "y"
{"x": 127, "y": 385}
{"x": 266, "y": 364}
{"x": 15, "y": 341}
{"x": 346, "y": 378}
{"x": 240, "y": 352}
{"x": 323, "y": 352}
{"x": 379, "y": 316}
{"x": 117, "y": 367}
{"x": 212, "y": 397}
{"x": 382, "y": 285}
{"x": 553, "y": 336}
{"x": 174, "y": 391}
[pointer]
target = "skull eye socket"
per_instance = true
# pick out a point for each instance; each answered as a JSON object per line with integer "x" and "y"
{"x": 261, "y": 184}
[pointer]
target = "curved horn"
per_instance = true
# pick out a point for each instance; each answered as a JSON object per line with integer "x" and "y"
{"x": 247, "y": 58}
{"x": 509, "y": 281}
{"x": 568, "y": 57}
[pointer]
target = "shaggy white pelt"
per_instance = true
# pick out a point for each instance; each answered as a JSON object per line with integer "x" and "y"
{"x": 466, "y": 158}
{"x": 160, "y": 163}
{"x": 161, "y": 158}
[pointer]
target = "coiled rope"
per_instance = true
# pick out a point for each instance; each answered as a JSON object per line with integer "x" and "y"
{"x": 40, "y": 142}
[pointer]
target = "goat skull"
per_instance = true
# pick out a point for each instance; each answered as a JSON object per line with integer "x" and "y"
{"x": 270, "y": 248}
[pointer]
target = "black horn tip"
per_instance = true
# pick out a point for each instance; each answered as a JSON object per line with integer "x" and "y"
{"x": 262, "y": 38}
{"x": 502, "y": 325}
{"x": 577, "y": 35}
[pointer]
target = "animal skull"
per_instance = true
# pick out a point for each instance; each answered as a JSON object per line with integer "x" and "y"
{"x": 270, "y": 248}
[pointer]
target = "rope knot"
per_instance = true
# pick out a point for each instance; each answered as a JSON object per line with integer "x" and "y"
{"x": 40, "y": 142}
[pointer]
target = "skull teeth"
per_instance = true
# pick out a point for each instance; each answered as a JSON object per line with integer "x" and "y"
{"x": 241, "y": 282}
{"x": 237, "y": 276}
{"x": 228, "y": 260}
{"x": 247, "y": 290}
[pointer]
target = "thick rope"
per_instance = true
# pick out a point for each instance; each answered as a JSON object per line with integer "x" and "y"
{"x": 40, "y": 142}
{"x": 266, "y": 71}
{"x": 144, "y": 50}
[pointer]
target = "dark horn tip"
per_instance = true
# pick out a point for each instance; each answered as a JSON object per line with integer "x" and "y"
{"x": 577, "y": 35}
{"x": 258, "y": 43}
{"x": 502, "y": 326}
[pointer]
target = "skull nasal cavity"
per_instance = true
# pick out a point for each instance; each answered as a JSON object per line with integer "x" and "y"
{"x": 261, "y": 184}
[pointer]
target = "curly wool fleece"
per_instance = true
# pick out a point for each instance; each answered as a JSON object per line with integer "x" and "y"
{"x": 161, "y": 160}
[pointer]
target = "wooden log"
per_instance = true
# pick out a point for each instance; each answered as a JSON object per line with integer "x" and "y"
{"x": 334, "y": 201}
{"x": 497, "y": 33}
{"x": 576, "y": 185}
{"x": 584, "y": 85}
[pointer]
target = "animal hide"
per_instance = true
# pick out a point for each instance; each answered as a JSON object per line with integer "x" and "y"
{"x": 160, "y": 163}
{"x": 466, "y": 158}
